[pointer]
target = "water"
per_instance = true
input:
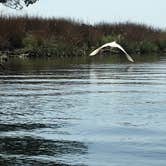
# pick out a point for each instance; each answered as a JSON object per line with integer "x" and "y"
{"x": 83, "y": 112}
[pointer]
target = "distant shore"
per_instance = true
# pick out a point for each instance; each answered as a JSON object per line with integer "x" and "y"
{"x": 38, "y": 37}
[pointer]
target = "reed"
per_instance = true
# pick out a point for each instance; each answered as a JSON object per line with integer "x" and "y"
{"x": 59, "y": 36}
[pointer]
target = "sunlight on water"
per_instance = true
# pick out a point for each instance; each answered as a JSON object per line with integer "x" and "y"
{"x": 84, "y": 112}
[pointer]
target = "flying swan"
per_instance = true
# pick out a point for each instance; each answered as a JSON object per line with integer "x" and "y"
{"x": 114, "y": 45}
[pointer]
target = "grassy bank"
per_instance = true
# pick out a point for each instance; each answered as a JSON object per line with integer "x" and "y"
{"x": 64, "y": 37}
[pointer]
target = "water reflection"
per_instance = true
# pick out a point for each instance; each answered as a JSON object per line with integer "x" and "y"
{"x": 30, "y": 146}
{"x": 49, "y": 64}
{"x": 19, "y": 126}
{"x": 28, "y": 151}
{"x": 9, "y": 161}
{"x": 83, "y": 112}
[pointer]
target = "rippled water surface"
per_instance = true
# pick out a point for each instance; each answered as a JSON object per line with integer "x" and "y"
{"x": 92, "y": 113}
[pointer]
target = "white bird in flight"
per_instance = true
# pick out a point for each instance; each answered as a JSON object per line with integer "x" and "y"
{"x": 115, "y": 45}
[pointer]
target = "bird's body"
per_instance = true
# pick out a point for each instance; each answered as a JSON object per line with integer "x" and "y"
{"x": 112, "y": 45}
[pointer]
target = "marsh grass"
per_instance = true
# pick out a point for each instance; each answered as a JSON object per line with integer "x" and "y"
{"x": 67, "y": 37}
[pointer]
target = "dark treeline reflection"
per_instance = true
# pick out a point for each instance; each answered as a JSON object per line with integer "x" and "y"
{"x": 27, "y": 162}
{"x": 33, "y": 65}
{"x": 18, "y": 126}
{"x": 27, "y": 148}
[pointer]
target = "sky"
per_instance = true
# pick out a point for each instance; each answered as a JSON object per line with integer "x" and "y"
{"x": 150, "y": 12}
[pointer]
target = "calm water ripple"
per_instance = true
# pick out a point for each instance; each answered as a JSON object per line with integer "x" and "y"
{"x": 94, "y": 114}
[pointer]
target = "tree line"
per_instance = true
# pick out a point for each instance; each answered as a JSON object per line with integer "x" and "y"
{"x": 66, "y": 37}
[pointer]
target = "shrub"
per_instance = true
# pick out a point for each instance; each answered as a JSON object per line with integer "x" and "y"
{"x": 68, "y": 37}
{"x": 31, "y": 42}
{"x": 148, "y": 47}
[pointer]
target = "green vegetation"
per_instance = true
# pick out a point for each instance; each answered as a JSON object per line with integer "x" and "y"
{"x": 37, "y": 37}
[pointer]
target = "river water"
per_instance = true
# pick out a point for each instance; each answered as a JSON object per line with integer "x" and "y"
{"x": 83, "y": 112}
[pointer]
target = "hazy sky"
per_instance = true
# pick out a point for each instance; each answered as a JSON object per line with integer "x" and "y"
{"x": 150, "y": 12}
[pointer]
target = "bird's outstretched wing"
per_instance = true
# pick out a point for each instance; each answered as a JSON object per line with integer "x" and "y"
{"x": 112, "y": 44}
{"x": 95, "y": 52}
{"x": 98, "y": 49}
{"x": 121, "y": 48}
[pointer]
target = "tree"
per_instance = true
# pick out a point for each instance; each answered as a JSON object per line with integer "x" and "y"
{"x": 17, "y": 4}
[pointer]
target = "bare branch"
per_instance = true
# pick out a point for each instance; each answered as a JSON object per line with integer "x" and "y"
{"x": 17, "y": 4}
